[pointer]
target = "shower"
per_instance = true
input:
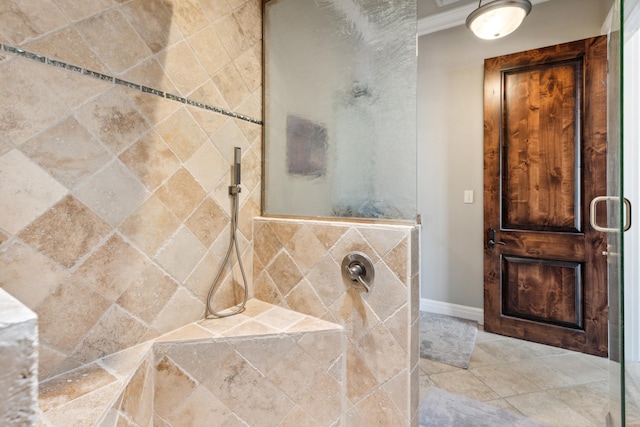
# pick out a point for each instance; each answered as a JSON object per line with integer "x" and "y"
{"x": 234, "y": 192}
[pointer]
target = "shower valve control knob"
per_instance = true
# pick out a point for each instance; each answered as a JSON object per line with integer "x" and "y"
{"x": 358, "y": 268}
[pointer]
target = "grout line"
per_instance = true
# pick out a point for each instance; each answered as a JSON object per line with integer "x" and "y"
{"x": 104, "y": 77}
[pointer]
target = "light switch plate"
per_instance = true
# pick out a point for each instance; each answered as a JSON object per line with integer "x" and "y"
{"x": 468, "y": 196}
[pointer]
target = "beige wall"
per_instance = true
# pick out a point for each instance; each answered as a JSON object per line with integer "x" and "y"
{"x": 115, "y": 209}
{"x": 450, "y": 80}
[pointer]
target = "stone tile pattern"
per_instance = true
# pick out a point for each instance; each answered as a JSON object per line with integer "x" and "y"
{"x": 547, "y": 384}
{"x": 116, "y": 210}
{"x": 286, "y": 370}
{"x": 18, "y": 358}
{"x": 297, "y": 265}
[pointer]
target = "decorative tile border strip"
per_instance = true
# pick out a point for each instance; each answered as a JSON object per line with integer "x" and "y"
{"x": 59, "y": 64}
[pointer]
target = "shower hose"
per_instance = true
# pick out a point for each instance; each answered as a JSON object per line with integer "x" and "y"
{"x": 234, "y": 191}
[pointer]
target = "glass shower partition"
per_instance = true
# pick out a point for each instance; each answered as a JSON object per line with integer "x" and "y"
{"x": 629, "y": 371}
{"x": 614, "y": 223}
{"x": 623, "y": 237}
{"x": 340, "y": 109}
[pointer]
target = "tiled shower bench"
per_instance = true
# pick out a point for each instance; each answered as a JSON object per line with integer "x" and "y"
{"x": 267, "y": 366}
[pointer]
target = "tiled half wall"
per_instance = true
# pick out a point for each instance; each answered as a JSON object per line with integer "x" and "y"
{"x": 115, "y": 209}
{"x": 297, "y": 265}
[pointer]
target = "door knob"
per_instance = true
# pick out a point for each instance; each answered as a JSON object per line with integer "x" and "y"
{"x": 491, "y": 239}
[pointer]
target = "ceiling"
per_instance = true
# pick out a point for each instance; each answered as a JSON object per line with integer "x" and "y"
{"x": 433, "y": 7}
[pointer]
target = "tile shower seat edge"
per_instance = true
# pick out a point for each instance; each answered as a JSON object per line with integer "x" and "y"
{"x": 96, "y": 394}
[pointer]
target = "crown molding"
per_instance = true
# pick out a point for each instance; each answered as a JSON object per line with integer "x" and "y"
{"x": 451, "y": 18}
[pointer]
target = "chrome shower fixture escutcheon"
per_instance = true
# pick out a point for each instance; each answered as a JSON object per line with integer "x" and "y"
{"x": 357, "y": 267}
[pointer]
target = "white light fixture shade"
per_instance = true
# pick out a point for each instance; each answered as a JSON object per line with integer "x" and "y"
{"x": 498, "y": 18}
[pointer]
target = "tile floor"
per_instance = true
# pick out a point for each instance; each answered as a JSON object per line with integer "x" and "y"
{"x": 552, "y": 385}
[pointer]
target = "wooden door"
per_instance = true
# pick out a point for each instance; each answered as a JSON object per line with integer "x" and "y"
{"x": 544, "y": 160}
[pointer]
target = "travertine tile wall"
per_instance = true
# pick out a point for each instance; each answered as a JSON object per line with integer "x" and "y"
{"x": 297, "y": 265}
{"x": 115, "y": 208}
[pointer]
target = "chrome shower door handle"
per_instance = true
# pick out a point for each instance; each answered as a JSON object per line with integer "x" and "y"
{"x": 593, "y": 219}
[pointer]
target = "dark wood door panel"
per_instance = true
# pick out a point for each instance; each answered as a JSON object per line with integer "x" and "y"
{"x": 541, "y": 143}
{"x": 531, "y": 330}
{"x": 560, "y": 246}
{"x": 547, "y": 291}
{"x": 545, "y": 160}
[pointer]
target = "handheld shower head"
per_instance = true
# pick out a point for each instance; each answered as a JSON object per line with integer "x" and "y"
{"x": 237, "y": 155}
{"x": 234, "y": 193}
{"x": 234, "y": 188}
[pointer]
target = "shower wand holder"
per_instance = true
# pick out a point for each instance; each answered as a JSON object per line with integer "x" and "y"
{"x": 234, "y": 189}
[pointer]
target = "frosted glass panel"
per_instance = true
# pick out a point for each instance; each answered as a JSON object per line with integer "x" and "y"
{"x": 340, "y": 108}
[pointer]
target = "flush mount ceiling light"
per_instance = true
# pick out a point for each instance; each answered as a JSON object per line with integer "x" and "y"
{"x": 498, "y": 18}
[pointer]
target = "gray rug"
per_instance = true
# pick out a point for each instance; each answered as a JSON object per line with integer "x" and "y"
{"x": 440, "y": 408}
{"x": 447, "y": 339}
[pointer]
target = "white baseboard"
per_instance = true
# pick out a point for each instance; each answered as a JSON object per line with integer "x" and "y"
{"x": 449, "y": 309}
